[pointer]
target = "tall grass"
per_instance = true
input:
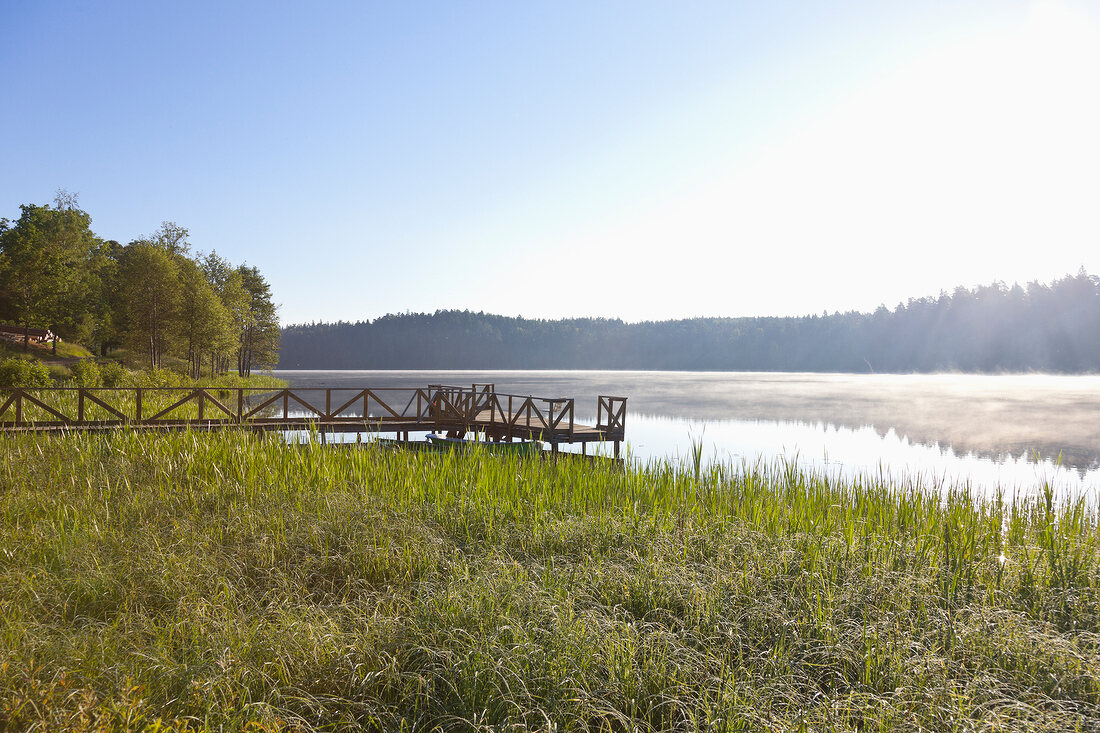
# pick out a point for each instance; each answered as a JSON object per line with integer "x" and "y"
{"x": 218, "y": 581}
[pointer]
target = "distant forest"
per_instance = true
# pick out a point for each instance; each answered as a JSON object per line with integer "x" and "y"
{"x": 994, "y": 328}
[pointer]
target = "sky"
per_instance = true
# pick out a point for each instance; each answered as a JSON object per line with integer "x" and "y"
{"x": 636, "y": 160}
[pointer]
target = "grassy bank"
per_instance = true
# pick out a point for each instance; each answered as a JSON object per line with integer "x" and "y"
{"x": 221, "y": 580}
{"x": 43, "y": 352}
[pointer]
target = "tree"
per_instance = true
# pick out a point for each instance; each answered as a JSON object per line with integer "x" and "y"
{"x": 104, "y": 283}
{"x": 149, "y": 298}
{"x": 43, "y": 273}
{"x": 228, "y": 284}
{"x": 204, "y": 323}
{"x": 260, "y": 337}
{"x": 172, "y": 238}
{"x": 217, "y": 270}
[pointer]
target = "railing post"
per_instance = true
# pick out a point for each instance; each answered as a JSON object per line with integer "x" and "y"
{"x": 202, "y": 403}
{"x": 286, "y": 404}
{"x": 80, "y": 404}
{"x": 435, "y": 408}
{"x": 240, "y": 404}
{"x": 137, "y": 400}
{"x": 19, "y": 406}
{"x": 328, "y": 404}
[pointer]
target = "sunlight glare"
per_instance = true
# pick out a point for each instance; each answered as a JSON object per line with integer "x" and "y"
{"x": 975, "y": 162}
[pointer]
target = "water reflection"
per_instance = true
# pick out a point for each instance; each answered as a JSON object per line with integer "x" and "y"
{"x": 986, "y": 428}
{"x": 849, "y": 452}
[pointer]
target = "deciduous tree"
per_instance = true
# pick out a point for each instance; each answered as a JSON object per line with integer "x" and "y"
{"x": 204, "y": 323}
{"x": 229, "y": 286}
{"x": 260, "y": 337}
{"x": 149, "y": 299}
{"x": 172, "y": 238}
{"x": 42, "y": 265}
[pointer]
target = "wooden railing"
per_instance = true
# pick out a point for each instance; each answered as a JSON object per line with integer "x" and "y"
{"x": 611, "y": 414}
{"x": 476, "y": 408}
{"x": 508, "y": 411}
{"x": 132, "y": 405}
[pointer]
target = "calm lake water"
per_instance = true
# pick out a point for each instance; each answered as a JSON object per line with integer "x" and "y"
{"x": 1008, "y": 432}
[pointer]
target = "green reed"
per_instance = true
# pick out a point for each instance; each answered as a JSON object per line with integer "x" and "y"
{"x": 222, "y": 580}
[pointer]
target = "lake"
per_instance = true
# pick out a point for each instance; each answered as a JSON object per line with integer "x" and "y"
{"x": 1011, "y": 432}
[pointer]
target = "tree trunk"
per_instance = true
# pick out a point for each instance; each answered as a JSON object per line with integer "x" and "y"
{"x": 192, "y": 358}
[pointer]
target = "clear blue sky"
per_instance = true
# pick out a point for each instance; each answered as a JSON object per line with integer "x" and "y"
{"x": 642, "y": 160}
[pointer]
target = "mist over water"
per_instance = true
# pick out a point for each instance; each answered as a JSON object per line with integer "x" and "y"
{"x": 1010, "y": 431}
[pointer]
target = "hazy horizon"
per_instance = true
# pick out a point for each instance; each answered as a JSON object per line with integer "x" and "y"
{"x": 900, "y": 302}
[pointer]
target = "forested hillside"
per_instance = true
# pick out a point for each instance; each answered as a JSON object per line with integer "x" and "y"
{"x": 1044, "y": 327}
{"x": 151, "y": 296}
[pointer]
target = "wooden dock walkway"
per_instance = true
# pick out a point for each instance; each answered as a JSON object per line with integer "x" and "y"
{"x": 475, "y": 410}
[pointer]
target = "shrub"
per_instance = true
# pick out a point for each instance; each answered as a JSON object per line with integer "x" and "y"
{"x": 86, "y": 374}
{"x": 112, "y": 374}
{"x": 21, "y": 373}
{"x": 161, "y": 378}
{"x": 58, "y": 373}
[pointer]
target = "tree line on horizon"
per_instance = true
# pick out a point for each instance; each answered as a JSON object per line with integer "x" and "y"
{"x": 151, "y": 296}
{"x": 1051, "y": 327}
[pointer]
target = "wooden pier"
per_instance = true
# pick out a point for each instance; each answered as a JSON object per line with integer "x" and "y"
{"x": 477, "y": 410}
